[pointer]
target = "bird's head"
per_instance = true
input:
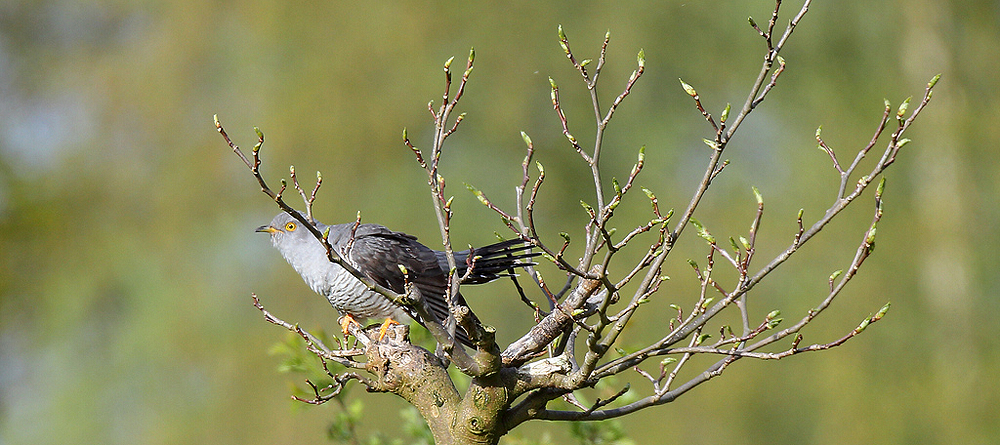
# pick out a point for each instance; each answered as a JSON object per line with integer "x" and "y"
{"x": 286, "y": 231}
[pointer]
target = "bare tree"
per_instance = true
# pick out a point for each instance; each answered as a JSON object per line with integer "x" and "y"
{"x": 590, "y": 310}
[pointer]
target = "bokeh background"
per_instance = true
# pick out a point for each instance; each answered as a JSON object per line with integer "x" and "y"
{"x": 127, "y": 252}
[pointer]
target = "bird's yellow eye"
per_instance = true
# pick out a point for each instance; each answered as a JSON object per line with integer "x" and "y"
{"x": 290, "y": 227}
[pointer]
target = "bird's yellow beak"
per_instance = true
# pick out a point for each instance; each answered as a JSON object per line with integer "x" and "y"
{"x": 268, "y": 229}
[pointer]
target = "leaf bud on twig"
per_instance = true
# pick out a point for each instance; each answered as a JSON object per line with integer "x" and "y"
{"x": 903, "y": 106}
{"x": 756, "y": 194}
{"x": 688, "y": 88}
{"x": 881, "y": 312}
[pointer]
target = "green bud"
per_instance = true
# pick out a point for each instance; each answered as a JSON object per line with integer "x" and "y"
{"x": 541, "y": 170}
{"x": 527, "y": 140}
{"x": 649, "y": 194}
{"x": 667, "y": 361}
{"x": 688, "y": 88}
{"x": 934, "y": 81}
{"x": 870, "y": 239}
{"x": 702, "y": 232}
{"x": 752, "y": 23}
{"x": 861, "y": 327}
{"x": 725, "y": 113}
{"x": 772, "y": 315}
{"x": 756, "y": 194}
{"x": 881, "y": 312}
{"x": 745, "y": 243}
{"x": 836, "y": 274}
{"x": 564, "y": 236}
{"x": 702, "y": 338}
{"x": 447, "y": 64}
{"x": 641, "y": 58}
{"x": 711, "y": 143}
{"x": 902, "y": 107}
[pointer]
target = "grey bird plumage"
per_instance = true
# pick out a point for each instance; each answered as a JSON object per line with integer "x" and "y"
{"x": 379, "y": 253}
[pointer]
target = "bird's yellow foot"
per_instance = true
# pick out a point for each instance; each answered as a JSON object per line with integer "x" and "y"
{"x": 345, "y": 323}
{"x": 385, "y": 326}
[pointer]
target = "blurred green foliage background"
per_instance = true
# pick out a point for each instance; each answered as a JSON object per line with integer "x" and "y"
{"x": 127, "y": 252}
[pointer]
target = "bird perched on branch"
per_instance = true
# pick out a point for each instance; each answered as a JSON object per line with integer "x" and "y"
{"x": 390, "y": 259}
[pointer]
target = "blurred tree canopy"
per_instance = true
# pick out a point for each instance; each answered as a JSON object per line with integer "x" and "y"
{"x": 127, "y": 252}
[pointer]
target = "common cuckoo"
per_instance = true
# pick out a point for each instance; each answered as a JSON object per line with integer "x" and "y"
{"x": 390, "y": 259}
